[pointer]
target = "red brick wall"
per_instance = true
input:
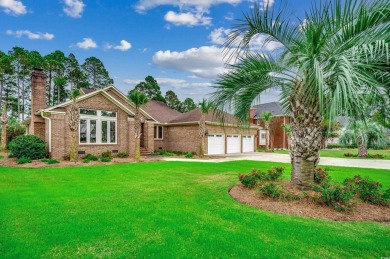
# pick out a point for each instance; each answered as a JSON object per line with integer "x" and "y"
{"x": 277, "y": 133}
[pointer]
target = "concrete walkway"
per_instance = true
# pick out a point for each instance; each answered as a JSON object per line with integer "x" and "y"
{"x": 273, "y": 157}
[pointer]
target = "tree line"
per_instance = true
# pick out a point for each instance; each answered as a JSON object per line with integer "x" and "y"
{"x": 64, "y": 73}
{"x": 152, "y": 91}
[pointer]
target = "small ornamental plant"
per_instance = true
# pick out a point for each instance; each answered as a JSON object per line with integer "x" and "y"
{"x": 122, "y": 154}
{"x": 321, "y": 176}
{"x": 367, "y": 189}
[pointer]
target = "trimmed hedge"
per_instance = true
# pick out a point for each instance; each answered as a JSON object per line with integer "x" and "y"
{"x": 28, "y": 146}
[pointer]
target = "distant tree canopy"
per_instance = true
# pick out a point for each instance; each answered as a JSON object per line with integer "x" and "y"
{"x": 152, "y": 91}
{"x": 64, "y": 73}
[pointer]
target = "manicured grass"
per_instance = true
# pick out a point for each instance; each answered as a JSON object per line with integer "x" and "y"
{"x": 339, "y": 153}
{"x": 164, "y": 210}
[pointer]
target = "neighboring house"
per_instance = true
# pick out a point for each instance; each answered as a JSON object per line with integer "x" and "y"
{"x": 107, "y": 123}
{"x": 179, "y": 131}
{"x": 278, "y": 136}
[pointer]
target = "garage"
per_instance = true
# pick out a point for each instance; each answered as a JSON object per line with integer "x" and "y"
{"x": 216, "y": 144}
{"x": 248, "y": 143}
{"x": 233, "y": 144}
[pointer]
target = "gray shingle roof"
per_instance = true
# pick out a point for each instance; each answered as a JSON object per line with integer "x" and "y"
{"x": 273, "y": 107}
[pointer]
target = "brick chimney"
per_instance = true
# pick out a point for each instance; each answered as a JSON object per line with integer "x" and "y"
{"x": 252, "y": 114}
{"x": 38, "y": 102}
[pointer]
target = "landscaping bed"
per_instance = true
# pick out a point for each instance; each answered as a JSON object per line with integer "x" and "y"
{"x": 308, "y": 208}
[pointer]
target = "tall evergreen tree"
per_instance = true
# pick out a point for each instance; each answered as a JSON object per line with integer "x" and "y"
{"x": 172, "y": 100}
{"x": 74, "y": 73}
{"x": 187, "y": 105}
{"x": 150, "y": 88}
{"x": 96, "y": 74}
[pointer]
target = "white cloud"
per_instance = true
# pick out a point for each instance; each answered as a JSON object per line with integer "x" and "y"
{"x": 229, "y": 16}
{"x": 259, "y": 42}
{"x": 31, "y": 35}
{"x": 87, "y": 43}
{"x": 204, "y": 62}
{"x": 200, "y": 5}
{"x": 13, "y": 7}
{"x": 73, "y": 8}
{"x": 172, "y": 83}
{"x": 187, "y": 18}
{"x": 263, "y": 3}
{"x": 218, "y": 36}
{"x": 124, "y": 46}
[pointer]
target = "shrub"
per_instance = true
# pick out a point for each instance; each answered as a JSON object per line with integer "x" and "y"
{"x": 52, "y": 161}
{"x": 367, "y": 189}
{"x": 376, "y": 156}
{"x": 169, "y": 154}
{"x": 331, "y": 146}
{"x": 122, "y": 154}
{"x": 107, "y": 154}
{"x": 162, "y": 152}
{"x": 321, "y": 176}
{"x": 178, "y": 153}
{"x": 91, "y": 157}
{"x": 86, "y": 160}
{"x": 23, "y": 160}
{"x": 271, "y": 190}
{"x": 275, "y": 173}
{"x": 348, "y": 154}
{"x": 250, "y": 180}
{"x": 189, "y": 155}
{"x": 105, "y": 159}
{"x": 14, "y": 130}
{"x": 28, "y": 146}
{"x": 338, "y": 197}
{"x": 1, "y": 157}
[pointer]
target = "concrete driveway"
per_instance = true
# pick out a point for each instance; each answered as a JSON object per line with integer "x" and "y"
{"x": 273, "y": 157}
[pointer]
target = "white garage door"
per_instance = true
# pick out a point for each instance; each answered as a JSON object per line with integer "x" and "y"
{"x": 216, "y": 144}
{"x": 233, "y": 144}
{"x": 248, "y": 143}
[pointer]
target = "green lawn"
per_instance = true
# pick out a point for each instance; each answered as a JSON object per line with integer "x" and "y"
{"x": 166, "y": 209}
{"x": 339, "y": 153}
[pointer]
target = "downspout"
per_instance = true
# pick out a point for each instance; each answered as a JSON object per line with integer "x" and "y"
{"x": 49, "y": 119}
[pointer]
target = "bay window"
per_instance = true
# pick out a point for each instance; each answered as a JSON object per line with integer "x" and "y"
{"x": 97, "y": 127}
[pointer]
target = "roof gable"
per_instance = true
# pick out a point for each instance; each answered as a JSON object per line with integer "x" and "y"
{"x": 274, "y": 107}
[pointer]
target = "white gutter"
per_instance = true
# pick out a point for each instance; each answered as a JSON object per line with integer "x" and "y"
{"x": 49, "y": 119}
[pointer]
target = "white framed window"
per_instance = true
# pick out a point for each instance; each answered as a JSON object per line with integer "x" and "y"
{"x": 158, "y": 132}
{"x": 97, "y": 127}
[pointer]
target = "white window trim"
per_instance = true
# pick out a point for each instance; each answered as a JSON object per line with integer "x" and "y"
{"x": 162, "y": 133}
{"x": 98, "y": 118}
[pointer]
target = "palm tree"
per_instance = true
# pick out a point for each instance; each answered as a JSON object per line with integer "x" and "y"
{"x": 266, "y": 116}
{"x": 363, "y": 134}
{"x": 287, "y": 129}
{"x": 205, "y": 107}
{"x": 327, "y": 66}
{"x": 73, "y": 118}
{"x": 4, "y": 124}
{"x": 138, "y": 99}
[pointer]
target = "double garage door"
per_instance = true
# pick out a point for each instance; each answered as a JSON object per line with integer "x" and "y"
{"x": 216, "y": 144}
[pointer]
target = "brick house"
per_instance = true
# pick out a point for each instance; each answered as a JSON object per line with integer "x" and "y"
{"x": 278, "y": 136}
{"x": 179, "y": 131}
{"x": 107, "y": 123}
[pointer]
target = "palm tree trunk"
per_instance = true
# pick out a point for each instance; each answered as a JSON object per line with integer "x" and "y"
{"x": 201, "y": 150}
{"x": 137, "y": 133}
{"x": 362, "y": 149}
{"x": 73, "y": 147}
{"x": 266, "y": 136}
{"x": 137, "y": 152}
{"x": 4, "y": 122}
{"x": 305, "y": 143}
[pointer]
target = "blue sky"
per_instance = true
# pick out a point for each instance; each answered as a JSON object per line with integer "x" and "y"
{"x": 178, "y": 42}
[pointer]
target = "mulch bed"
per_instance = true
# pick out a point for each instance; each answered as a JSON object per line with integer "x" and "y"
{"x": 308, "y": 208}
